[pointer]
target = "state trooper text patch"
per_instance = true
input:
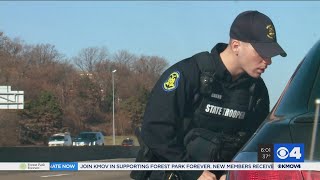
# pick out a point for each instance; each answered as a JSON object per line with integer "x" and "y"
{"x": 222, "y": 111}
{"x": 172, "y": 82}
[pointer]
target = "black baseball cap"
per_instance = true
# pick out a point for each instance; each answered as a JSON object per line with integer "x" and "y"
{"x": 258, "y": 30}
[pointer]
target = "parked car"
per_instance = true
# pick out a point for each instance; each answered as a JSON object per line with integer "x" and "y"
{"x": 89, "y": 139}
{"x": 60, "y": 139}
{"x": 127, "y": 142}
{"x": 290, "y": 121}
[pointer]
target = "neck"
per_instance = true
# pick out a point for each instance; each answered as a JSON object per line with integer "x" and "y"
{"x": 229, "y": 59}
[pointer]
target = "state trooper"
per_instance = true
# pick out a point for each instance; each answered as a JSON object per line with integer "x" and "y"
{"x": 205, "y": 107}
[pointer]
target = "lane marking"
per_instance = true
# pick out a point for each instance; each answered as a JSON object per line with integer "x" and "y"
{"x": 55, "y": 175}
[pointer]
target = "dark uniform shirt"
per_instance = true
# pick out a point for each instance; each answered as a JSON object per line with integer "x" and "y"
{"x": 172, "y": 100}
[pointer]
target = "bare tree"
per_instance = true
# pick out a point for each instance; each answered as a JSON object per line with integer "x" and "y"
{"x": 123, "y": 57}
{"x": 42, "y": 54}
{"x": 9, "y": 121}
{"x": 89, "y": 57}
{"x": 150, "y": 64}
{"x": 10, "y": 47}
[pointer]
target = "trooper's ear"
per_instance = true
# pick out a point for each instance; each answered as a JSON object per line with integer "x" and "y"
{"x": 235, "y": 44}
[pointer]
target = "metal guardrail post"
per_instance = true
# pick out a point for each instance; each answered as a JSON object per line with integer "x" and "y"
{"x": 315, "y": 128}
{"x": 314, "y": 134}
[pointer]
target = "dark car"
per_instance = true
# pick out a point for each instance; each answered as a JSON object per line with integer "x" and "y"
{"x": 127, "y": 142}
{"x": 89, "y": 139}
{"x": 290, "y": 121}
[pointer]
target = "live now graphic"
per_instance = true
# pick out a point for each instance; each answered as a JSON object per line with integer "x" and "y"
{"x": 63, "y": 166}
{"x": 288, "y": 152}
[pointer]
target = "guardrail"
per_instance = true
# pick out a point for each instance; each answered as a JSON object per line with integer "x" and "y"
{"x": 66, "y": 154}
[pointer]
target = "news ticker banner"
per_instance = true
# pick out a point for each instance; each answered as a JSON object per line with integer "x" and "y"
{"x": 129, "y": 166}
{"x": 270, "y": 157}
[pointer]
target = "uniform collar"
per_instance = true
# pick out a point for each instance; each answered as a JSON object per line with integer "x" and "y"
{"x": 221, "y": 70}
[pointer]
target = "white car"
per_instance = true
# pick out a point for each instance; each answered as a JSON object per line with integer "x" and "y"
{"x": 89, "y": 139}
{"x": 60, "y": 139}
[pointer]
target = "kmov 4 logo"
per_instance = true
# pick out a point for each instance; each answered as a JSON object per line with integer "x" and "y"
{"x": 288, "y": 152}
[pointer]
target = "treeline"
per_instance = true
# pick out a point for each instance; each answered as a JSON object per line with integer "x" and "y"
{"x": 73, "y": 94}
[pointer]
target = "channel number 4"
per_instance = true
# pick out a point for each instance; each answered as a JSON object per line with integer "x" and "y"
{"x": 283, "y": 153}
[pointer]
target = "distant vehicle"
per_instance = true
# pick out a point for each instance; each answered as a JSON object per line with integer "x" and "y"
{"x": 127, "y": 142}
{"x": 291, "y": 121}
{"x": 89, "y": 139}
{"x": 60, "y": 139}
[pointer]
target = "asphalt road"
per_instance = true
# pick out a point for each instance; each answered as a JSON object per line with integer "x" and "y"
{"x": 67, "y": 175}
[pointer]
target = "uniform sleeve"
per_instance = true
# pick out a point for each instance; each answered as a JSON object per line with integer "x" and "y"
{"x": 163, "y": 119}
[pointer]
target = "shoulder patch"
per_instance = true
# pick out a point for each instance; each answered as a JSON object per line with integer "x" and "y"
{"x": 172, "y": 82}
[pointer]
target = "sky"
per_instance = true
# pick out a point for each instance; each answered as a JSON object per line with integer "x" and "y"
{"x": 173, "y": 30}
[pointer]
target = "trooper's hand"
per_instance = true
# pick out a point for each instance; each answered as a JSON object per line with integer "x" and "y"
{"x": 223, "y": 177}
{"x": 207, "y": 175}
